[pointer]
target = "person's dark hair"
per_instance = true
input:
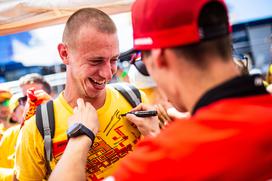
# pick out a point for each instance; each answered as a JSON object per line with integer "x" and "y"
{"x": 212, "y": 17}
{"x": 87, "y": 16}
{"x": 146, "y": 53}
{"x": 47, "y": 87}
{"x": 37, "y": 79}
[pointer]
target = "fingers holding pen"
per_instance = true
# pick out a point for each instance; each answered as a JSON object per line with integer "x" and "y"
{"x": 147, "y": 125}
{"x": 142, "y": 107}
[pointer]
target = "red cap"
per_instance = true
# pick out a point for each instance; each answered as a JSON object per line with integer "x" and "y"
{"x": 168, "y": 23}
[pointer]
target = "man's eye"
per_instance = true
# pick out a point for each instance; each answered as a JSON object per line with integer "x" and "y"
{"x": 114, "y": 60}
{"x": 96, "y": 61}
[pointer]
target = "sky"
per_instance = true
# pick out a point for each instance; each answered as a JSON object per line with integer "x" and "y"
{"x": 247, "y": 10}
{"x": 42, "y": 48}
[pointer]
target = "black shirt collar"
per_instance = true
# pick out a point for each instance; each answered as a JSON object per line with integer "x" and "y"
{"x": 240, "y": 86}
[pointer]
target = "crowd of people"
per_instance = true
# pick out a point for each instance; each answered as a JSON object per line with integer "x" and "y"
{"x": 18, "y": 109}
{"x": 211, "y": 119}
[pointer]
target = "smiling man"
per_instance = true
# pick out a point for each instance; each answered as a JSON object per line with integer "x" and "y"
{"x": 90, "y": 52}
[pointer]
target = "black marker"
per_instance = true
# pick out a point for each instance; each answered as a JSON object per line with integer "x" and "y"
{"x": 143, "y": 114}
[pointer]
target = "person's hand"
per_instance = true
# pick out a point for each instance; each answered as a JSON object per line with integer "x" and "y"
{"x": 85, "y": 114}
{"x": 76, "y": 152}
{"x": 175, "y": 114}
{"x": 37, "y": 97}
{"x": 162, "y": 115}
{"x": 148, "y": 126}
{"x": 34, "y": 99}
{"x": 42, "y": 96}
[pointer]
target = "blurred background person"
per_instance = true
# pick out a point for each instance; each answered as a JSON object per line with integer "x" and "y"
{"x": 17, "y": 105}
{"x": 5, "y": 124}
{"x": 36, "y": 81}
{"x": 35, "y": 88}
{"x": 8, "y": 141}
{"x": 140, "y": 78}
{"x": 5, "y": 96}
{"x": 35, "y": 91}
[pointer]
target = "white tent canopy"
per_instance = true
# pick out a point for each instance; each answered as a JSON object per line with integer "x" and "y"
{"x": 23, "y": 15}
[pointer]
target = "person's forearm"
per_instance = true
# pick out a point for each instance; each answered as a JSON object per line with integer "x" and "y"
{"x": 72, "y": 163}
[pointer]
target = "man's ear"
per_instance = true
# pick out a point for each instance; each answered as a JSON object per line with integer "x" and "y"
{"x": 159, "y": 57}
{"x": 63, "y": 52}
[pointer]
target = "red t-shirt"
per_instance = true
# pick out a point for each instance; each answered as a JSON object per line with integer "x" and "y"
{"x": 230, "y": 139}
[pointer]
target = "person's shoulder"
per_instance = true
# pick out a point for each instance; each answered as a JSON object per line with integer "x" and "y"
{"x": 30, "y": 127}
{"x": 29, "y": 135}
{"x": 12, "y": 130}
{"x": 61, "y": 106}
{"x": 113, "y": 92}
{"x": 111, "y": 89}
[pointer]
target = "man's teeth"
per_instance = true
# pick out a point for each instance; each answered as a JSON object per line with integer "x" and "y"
{"x": 99, "y": 82}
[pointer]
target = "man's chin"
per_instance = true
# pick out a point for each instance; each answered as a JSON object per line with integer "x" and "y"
{"x": 94, "y": 93}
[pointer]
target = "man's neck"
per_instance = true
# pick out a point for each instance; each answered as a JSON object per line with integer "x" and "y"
{"x": 218, "y": 73}
{"x": 97, "y": 102}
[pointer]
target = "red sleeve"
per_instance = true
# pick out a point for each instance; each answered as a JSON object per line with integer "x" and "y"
{"x": 205, "y": 150}
{"x": 157, "y": 158}
{"x": 144, "y": 164}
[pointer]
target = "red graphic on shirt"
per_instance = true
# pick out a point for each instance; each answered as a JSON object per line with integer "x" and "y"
{"x": 58, "y": 149}
{"x": 102, "y": 155}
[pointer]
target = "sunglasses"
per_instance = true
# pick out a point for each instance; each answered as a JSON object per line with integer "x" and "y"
{"x": 136, "y": 59}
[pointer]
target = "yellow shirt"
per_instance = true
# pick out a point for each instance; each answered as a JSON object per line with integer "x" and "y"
{"x": 115, "y": 139}
{"x": 2, "y": 131}
{"x": 7, "y": 147}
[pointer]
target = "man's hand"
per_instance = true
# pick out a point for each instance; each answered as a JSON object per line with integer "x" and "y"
{"x": 72, "y": 163}
{"x": 162, "y": 115}
{"x": 85, "y": 114}
{"x": 175, "y": 114}
{"x": 148, "y": 126}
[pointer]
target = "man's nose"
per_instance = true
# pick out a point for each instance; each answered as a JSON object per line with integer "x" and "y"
{"x": 106, "y": 71}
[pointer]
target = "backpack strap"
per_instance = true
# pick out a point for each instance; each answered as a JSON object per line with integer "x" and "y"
{"x": 46, "y": 126}
{"x": 130, "y": 92}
